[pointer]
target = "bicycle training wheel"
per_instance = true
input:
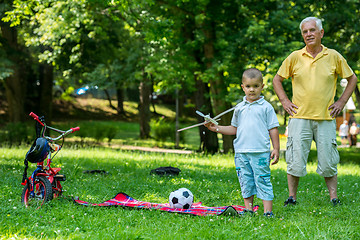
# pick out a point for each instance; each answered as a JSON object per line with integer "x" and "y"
{"x": 42, "y": 193}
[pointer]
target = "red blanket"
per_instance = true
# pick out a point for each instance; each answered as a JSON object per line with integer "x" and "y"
{"x": 124, "y": 200}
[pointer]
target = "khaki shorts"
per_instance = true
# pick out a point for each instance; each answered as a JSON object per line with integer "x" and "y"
{"x": 301, "y": 134}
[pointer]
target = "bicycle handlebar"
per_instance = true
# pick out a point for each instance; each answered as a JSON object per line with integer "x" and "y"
{"x": 75, "y": 129}
{"x": 63, "y": 133}
{"x": 33, "y": 115}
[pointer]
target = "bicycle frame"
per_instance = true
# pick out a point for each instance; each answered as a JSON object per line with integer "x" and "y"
{"x": 48, "y": 172}
{"x": 52, "y": 174}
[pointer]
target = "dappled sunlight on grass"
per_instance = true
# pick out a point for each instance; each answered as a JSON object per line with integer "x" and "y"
{"x": 349, "y": 169}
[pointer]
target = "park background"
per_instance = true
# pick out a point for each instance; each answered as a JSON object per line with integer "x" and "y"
{"x": 129, "y": 73}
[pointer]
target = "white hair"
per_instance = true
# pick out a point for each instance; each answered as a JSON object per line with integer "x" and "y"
{"x": 309, "y": 19}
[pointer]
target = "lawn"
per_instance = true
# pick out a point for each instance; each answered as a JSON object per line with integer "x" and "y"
{"x": 211, "y": 178}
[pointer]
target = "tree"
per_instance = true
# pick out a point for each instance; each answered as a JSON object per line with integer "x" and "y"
{"x": 200, "y": 47}
{"x": 14, "y": 78}
{"x": 73, "y": 36}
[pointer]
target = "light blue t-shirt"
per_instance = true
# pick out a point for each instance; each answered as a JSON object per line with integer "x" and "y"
{"x": 253, "y": 122}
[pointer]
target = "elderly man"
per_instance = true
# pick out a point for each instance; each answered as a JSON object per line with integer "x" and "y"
{"x": 314, "y": 71}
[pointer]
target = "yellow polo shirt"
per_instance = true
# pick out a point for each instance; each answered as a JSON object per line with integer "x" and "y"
{"x": 314, "y": 81}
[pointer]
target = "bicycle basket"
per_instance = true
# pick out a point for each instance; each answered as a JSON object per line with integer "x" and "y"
{"x": 38, "y": 151}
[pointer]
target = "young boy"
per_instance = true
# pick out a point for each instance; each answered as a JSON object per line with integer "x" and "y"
{"x": 254, "y": 122}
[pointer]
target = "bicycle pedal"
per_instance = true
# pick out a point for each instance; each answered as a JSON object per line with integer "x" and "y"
{"x": 60, "y": 177}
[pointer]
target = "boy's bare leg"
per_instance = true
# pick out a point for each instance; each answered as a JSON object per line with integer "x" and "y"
{"x": 249, "y": 202}
{"x": 331, "y": 183}
{"x": 293, "y": 183}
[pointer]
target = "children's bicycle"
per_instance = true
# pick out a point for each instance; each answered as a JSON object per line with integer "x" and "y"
{"x": 44, "y": 183}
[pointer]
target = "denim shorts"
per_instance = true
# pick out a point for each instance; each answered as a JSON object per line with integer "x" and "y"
{"x": 301, "y": 134}
{"x": 253, "y": 171}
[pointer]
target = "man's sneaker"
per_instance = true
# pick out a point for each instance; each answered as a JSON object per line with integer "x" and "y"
{"x": 246, "y": 212}
{"x": 335, "y": 202}
{"x": 290, "y": 201}
{"x": 269, "y": 214}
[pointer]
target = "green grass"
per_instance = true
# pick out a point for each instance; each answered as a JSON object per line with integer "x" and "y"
{"x": 212, "y": 179}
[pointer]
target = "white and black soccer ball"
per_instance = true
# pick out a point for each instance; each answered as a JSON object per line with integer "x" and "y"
{"x": 181, "y": 198}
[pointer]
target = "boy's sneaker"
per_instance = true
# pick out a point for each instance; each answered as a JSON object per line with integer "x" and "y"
{"x": 246, "y": 212}
{"x": 290, "y": 201}
{"x": 269, "y": 214}
{"x": 335, "y": 202}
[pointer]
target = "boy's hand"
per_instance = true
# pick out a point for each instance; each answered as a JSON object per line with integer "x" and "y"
{"x": 211, "y": 126}
{"x": 274, "y": 156}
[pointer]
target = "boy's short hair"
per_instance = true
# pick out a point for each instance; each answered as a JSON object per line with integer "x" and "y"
{"x": 252, "y": 73}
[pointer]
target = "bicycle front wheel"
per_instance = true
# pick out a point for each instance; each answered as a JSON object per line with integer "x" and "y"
{"x": 42, "y": 193}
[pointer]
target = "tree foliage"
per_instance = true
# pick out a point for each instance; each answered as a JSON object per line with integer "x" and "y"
{"x": 173, "y": 44}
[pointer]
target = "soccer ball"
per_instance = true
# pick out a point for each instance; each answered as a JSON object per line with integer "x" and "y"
{"x": 181, "y": 198}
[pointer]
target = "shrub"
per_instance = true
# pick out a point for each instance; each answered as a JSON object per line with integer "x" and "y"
{"x": 82, "y": 133}
{"x": 3, "y": 136}
{"x": 111, "y": 133}
{"x": 99, "y": 133}
{"x": 16, "y": 133}
{"x": 161, "y": 129}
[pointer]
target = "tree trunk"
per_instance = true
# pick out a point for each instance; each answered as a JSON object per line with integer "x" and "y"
{"x": 217, "y": 87}
{"x": 120, "y": 100}
{"x": 15, "y": 85}
{"x": 46, "y": 85}
{"x": 181, "y": 100}
{"x": 15, "y": 92}
{"x": 208, "y": 140}
{"x": 144, "y": 108}
{"x": 109, "y": 99}
{"x": 357, "y": 94}
{"x": 228, "y": 140}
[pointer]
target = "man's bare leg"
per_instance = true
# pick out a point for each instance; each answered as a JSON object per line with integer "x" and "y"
{"x": 293, "y": 183}
{"x": 331, "y": 183}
